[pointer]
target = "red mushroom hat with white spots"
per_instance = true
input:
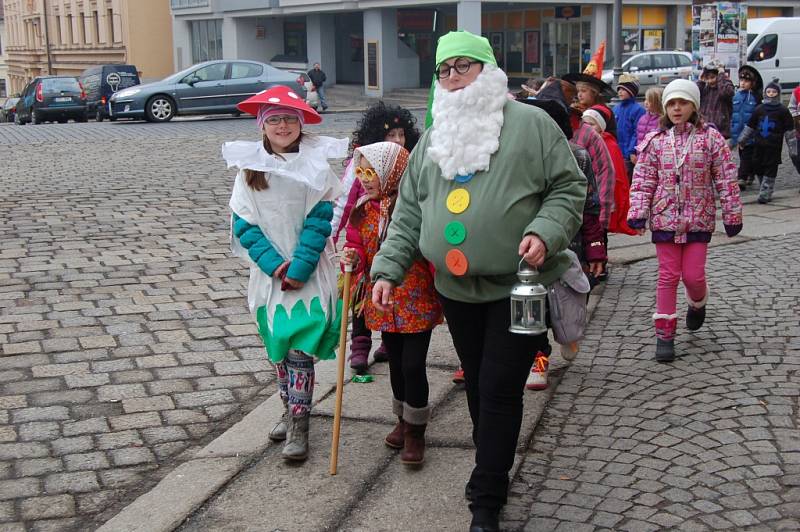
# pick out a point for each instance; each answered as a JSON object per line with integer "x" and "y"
{"x": 280, "y": 96}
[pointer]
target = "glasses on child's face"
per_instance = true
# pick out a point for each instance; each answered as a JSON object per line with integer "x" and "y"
{"x": 276, "y": 119}
{"x": 366, "y": 175}
{"x": 461, "y": 65}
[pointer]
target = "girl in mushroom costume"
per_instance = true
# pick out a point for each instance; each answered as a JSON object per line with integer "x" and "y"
{"x": 282, "y": 206}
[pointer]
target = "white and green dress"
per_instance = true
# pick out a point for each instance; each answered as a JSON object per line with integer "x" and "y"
{"x": 289, "y": 221}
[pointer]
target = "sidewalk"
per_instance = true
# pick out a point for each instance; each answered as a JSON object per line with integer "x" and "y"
{"x": 238, "y": 482}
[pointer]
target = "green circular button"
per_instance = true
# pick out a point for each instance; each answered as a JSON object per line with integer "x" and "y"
{"x": 455, "y": 233}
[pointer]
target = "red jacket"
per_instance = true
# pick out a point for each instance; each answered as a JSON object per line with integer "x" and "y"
{"x": 618, "y": 223}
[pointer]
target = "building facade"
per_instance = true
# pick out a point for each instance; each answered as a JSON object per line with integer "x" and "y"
{"x": 389, "y": 44}
{"x": 64, "y": 37}
{"x": 3, "y": 66}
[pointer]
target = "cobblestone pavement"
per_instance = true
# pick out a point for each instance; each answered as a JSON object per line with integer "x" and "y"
{"x": 708, "y": 442}
{"x": 125, "y": 341}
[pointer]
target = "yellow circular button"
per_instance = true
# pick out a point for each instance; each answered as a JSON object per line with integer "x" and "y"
{"x": 458, "y": 201}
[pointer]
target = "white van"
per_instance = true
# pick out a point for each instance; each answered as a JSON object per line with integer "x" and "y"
{"x": 775, "y": 51}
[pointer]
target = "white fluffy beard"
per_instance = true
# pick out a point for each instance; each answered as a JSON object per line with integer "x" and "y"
{"x": 467, "y": 123}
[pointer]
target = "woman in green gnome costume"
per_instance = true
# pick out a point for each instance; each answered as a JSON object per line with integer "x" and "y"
{"x": 491, "y": 181}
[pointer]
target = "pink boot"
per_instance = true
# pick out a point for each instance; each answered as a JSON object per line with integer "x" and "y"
{"x": 359, "y": 353}
{"x": 665, "y": 336}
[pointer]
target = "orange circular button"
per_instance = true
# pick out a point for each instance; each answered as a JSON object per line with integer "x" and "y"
{"x": 456, "y": 262}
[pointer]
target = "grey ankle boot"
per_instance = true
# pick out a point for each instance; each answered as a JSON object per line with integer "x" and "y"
{"x": 767, "y": 189}
{"x": 296, "y": 446}
{"x": 278, "y": 432}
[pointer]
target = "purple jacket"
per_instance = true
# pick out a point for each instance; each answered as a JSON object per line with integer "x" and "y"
{"x": 716, "y": 104}
{"x": 680, "y": 201}
{"x": 647, "y": 124}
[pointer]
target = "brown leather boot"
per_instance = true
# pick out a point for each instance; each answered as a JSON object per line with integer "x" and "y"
{"x": 414, "y": 448}
{"x": 396, "y": 439}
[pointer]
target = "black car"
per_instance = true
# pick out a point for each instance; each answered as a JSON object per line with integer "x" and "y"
{"x": 51, "y": 98}
{"x": 101, "y": 82}
{"x": 8, "y": 110}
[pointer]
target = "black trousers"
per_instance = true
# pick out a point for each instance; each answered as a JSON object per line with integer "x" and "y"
{"x": 408, "y": 353}
{"x": 496, "y": 365}
{"x": 360, "y": 327}
{"x": 746, "y": 162}
{"x": 766, "y": 160}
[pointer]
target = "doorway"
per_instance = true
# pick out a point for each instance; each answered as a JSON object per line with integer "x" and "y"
{"x": 566, "y": 46}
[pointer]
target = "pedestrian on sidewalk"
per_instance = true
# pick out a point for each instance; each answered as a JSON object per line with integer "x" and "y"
{"x": 380, "y": 122}
{"x": 407, "y": 325}
{"x": 716, "y": 97}
{"x": 674, "y": 183}
{"x": 770, "y": 125}
{"x": 491, "y": 181}
{"x": 589, "y": 242}
{"x": 598, "y": 116}
{"x": 627, "y": 114}
{"x": 651, "y": 119}
{"x": 318, "y": 79}
{"x": 745, "y": 101}
{"x": 282, "y": 205}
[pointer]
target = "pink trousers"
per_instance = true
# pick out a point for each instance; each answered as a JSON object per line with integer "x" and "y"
{"x": 676, "y": 262}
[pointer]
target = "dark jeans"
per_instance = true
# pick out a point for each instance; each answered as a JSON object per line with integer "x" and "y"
{"x": 496, "y": 365}
{"x": 407, "y": 355}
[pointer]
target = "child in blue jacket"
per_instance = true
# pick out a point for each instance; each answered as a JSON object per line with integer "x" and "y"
{"x": 745, "y": 101}
{"x": 627, "y": 114}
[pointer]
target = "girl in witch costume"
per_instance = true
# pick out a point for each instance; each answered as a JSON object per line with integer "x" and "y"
{"x": 282, "y": 205}
{"x": 406, "y": 327}
{"x": 591, "y": 89}
{"x": 680, "y": 169}
{"x": 381, "y": 122}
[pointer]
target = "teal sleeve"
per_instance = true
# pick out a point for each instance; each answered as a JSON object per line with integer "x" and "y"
{"x": 314, "y": 236}
{"x": 257, "y": 245}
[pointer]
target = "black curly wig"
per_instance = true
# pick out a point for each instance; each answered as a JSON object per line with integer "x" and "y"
{"x": 378, "y": 119}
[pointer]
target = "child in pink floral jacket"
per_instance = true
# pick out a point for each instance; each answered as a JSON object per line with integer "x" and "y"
{"x": 678, "y": 172}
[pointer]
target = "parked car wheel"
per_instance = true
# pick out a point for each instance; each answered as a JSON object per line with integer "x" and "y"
{"x": 18, "y": 121}
{"x": 160, "y": 109}
{"x": 98, "y": 116}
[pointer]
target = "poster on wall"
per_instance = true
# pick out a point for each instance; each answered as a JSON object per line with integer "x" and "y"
{"x": 532, "y": 48}
{"x": 653, "y": 39}
{"x": 708, "y": 26}
{"x": 742, "y": 34}
{"x": 630, "y": 40}
{"x": 372, "y": 65}
{"x": 727, "y": 28}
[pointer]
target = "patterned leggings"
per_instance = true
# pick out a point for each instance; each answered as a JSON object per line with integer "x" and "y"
{"x": 296, "y": 382}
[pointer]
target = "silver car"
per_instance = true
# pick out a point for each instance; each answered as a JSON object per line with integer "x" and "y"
{"x": 655, "y": 68}
{"x": 213, "y": 87}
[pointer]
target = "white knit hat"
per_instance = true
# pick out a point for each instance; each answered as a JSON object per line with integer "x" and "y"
{"x": 683, "y": 89}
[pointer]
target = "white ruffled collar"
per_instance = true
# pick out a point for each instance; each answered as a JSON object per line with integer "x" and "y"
{"x": 309, "y": 167}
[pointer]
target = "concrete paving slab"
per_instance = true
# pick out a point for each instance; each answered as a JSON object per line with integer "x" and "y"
{"x": 373, "y": 401}
{"x": 179, "y": 494}
{"x": 430, "y": 498}
{"x": 274, "y": 495}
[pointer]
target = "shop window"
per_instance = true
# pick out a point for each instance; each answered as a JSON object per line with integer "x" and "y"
{"x": 766, "y": 48}
{"x": 294, "y": 38}
{"x": 514, "y": 52}
{"x": 206, "y": 40}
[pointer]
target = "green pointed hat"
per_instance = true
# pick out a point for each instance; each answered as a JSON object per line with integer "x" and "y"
{"x": 459, "y": 44}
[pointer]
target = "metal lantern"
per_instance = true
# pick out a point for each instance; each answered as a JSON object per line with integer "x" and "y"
{"x": 528, "y": 302}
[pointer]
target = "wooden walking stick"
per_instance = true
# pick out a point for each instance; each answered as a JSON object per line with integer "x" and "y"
{"x": 337, "y": 414}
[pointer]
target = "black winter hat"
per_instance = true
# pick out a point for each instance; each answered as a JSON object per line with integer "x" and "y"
{"x": 774, "y": 84}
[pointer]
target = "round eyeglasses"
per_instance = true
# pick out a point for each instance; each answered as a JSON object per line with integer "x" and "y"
{"x": 461, "y": 66}
{"x": 365, "y": 175}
